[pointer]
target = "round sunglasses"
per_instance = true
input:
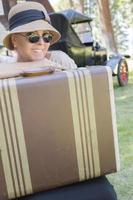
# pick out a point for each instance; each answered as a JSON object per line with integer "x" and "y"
{"x": 34, "y": 38}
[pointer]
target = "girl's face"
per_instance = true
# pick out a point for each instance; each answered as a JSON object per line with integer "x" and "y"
{"x": 31, "y": 46}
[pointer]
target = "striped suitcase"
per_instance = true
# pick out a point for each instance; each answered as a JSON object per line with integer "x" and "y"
{"x": 56, "y": 130}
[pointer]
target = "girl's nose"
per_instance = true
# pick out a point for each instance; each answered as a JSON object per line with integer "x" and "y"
{"x": 41, "y": 41}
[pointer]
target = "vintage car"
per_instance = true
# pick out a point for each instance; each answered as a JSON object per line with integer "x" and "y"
{"x": 77, "y": 41}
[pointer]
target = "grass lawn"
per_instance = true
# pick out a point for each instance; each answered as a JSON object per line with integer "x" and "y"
{"x": 123, "y": 180}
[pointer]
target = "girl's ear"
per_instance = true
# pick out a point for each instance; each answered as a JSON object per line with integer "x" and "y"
{"x": 13, "y": 40}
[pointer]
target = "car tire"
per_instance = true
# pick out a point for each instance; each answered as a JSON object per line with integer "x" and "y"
{"x": 122, "y": 72}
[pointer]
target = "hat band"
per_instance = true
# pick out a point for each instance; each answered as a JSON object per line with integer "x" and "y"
{"x": 25, "y": 17}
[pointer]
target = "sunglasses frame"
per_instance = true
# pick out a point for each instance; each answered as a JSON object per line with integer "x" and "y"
{"x": 34, "y": 38}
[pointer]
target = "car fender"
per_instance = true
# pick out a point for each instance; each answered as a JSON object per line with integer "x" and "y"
{"x": 113, "y": 62}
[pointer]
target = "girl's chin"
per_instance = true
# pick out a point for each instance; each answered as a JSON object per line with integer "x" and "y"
{"x": 37, "y": 58}
{"x": 30, "y": 58}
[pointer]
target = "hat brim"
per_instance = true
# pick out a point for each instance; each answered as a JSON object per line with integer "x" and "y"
{"x": 30, "y": 27}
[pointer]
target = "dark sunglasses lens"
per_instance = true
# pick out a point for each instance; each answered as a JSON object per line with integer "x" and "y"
{"x": 47, "y": 37}
{"x": 33, "y": 38}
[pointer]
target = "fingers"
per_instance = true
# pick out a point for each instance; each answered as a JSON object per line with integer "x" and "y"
{"x": 5, "y": 75}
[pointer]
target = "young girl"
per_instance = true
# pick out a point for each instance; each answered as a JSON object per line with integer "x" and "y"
{"x": 30, "y": 36}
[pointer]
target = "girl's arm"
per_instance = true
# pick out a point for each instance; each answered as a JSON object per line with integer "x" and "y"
{"x": 54, "y": 59}
{"x": 18, "y": 68}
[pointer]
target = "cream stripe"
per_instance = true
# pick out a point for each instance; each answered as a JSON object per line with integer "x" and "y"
{"x": 112, "y": 104}
{"x": 83, "y": 109}
{"x": 9, "y": 141}
{"x": 4, "y": 154}
{"x": 93, "y": 128}
{"x": 74, "y": 107}
{"x": 80, "y": 113}
{"x": 14, "y": 137}
{"x": 88, "y": 137}
{"x": 20, "y": 135}
{"x": 5, "y": 162}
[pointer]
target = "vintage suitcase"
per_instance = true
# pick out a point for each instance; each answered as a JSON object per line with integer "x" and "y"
{"x": 56, "y": 130}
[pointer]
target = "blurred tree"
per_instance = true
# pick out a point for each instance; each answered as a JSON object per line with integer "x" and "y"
{"x": 121, "y": 11}
{"x": 6, "y": 8}
{"x": 7, "y": 4}
{"x": 12, "y": 2}
{"x": 46, "y": 3}
{"x": 62, "y": 5}
{"x": 87, "y": 6}
{"x": 106, "y": 25}
{"x": 71, "y": 3}
{"x": 82, "y": 5}
{"x": 120, "y": 15}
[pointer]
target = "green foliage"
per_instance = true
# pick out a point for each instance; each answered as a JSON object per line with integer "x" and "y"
{"x": 125, "y": 7}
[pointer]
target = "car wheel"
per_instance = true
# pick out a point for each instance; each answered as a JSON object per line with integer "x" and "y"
{"x": 122, "y": 72}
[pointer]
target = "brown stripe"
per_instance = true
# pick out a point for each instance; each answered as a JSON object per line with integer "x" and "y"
{"x": 87, "y": 130}
{"x": 82, "y": 89}
{"x": 76, "y": 125}
{"x": 49, "y": 123}
{"x": 89, "y": 138}
{"x": 81, "y": 97}
{"x": 113, "y": 114}
{"x": 20, "y": 136}
{"x": 94, "y": 154}
{"x": 3, "y": 112}
{"x": 77, "y": 84}
{"x": 3, "y": 189}
{"x": 18, "y": 148}
{"x": 103, "y": 120}
{"x": 18, "y": 192}
{"x": 6, "y": 161}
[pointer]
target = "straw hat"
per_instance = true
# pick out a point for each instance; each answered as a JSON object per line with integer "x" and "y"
{"x": 28, "y": 17}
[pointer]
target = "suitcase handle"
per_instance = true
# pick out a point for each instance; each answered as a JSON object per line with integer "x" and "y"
{"x": 38, "y": 71}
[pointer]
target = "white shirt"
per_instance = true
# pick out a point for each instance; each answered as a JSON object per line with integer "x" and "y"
{"x": 63, "y": 59}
